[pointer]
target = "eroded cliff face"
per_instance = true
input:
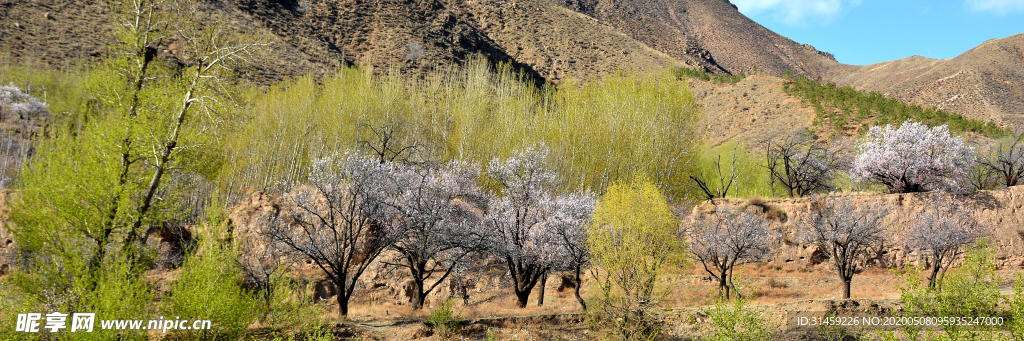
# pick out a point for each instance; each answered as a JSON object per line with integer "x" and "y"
{"x": 8, "y": 249}
{"x": 1000, "y": 209}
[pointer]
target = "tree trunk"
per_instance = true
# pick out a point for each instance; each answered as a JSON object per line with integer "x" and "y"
{"x": 723, "y": 286}
{"x": 342, "y": 304}
{"x": 540, "y": 294}
{"x": 417, "y": 295}
{"x": 576, "y": 289}
{"x": 934, "y": 275}
{"x": 846, "y": 288}
{"x": 523, "y": 296}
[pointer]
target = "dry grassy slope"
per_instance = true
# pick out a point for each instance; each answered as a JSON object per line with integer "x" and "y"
{"x": 537, "y": 36}
{"x": 753, "y": 111}
{"x": 560, "y": 43}
{"x": 53, "y": 31}
{"x": 736, "y": 42}
{"x": 57, "y": 32}
{"x": 986, "y": 82}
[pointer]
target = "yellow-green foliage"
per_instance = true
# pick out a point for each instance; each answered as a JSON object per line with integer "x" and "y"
{"x": 632, "y": 237}
{"x": 751, "y": 177}
{"x": 633, "y": 234}
{"x": 598, "y": 131}
{"x": 972, "y": 290}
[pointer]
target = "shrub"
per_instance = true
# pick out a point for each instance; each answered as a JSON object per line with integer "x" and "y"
{"x": 444, "y": 319}
{"x": 735, "y": 320}
{"x": 208, "y": 288}
{"x": 1016, "y": 309}
{"x": 632, "y": 237}
{"x": 970, "y": 291}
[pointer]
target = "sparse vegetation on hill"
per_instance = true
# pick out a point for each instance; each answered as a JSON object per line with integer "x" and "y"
{"x": 701, "y": 74}
{"x": 850, "y": 111}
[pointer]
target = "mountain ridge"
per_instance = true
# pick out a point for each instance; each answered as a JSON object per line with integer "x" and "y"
{"x": 550, "y": 40}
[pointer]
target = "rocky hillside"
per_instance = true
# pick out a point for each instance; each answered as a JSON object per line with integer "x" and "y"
{"x": 754, "y": 111}
{"x": 986, "y": 82}
{"x": 736, "y": 42}
{"x": 547, "y": 39}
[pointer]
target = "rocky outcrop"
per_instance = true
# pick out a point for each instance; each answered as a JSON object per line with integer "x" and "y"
{"x": 8, "y": 248}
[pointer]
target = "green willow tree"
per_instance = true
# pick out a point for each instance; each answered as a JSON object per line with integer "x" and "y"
{"x": 88, "y": 197}
{"x": 598, "y": 131}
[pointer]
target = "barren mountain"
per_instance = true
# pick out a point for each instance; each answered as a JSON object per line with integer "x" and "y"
{"x": 547, "y": 39}
{"x": 736, "y": 42}
{"x": 986, "y": 82}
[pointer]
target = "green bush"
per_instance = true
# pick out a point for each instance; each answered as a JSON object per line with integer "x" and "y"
{"x": 632, "y": 237}
{"x": 208, "y": 288}
{"x": 444, "y": 319}
{"x": 1016, "y": 310}
{"x": 735, "y": 320}
{"x": 972, "y": 290}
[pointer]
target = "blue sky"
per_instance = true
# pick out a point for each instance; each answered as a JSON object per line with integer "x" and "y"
{"x": 864, "y": 32}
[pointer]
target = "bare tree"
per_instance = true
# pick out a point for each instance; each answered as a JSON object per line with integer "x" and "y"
{"x": 728, "y": 237}
{"x": 944, "y": 231}
{"x": 845, "y": 233}
{"x": 980, "y": 176}
{"x": 437, "y": 220}
{"x": 262, "y": 261}
{"x": 337, "y": 220}
{"x": 913, "y": 158}
{"x": 518, "y": 218}
{"x": 1007, "y": 160}
{"x": 710, "y": 189}
{"x": 803, "y": 165}
{"x": 389, "y": 141}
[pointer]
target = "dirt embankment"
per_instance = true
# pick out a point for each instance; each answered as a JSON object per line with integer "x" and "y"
{"x": 999, "y": 209}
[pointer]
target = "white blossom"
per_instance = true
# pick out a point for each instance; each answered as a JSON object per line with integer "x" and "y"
{"x": 944, "y": 230}
{"x": 15, "y": 102}
{"x": 435, "y": 216}
{"x": 913, "y": 158}
{"x": 337, "y": 221}
{"x": 847, "y": 234}
{"x": 726, "y": 238}
{"x": 529, "y": 226}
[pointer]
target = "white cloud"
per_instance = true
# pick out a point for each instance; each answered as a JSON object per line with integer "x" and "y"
{"x": 800, "y": 12}
{"x": 997, "y": 6}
